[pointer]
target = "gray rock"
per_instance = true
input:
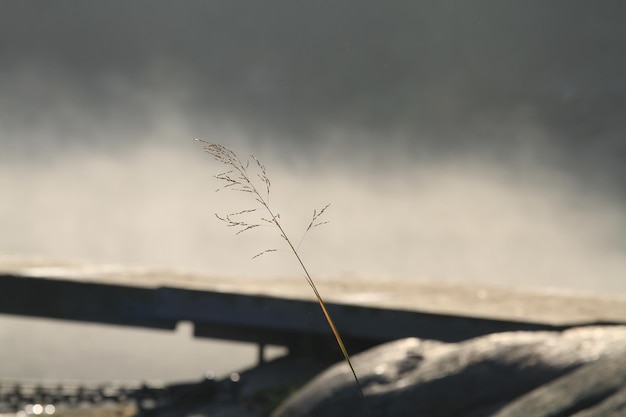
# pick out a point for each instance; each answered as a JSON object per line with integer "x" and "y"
{"x": 613, "y": 406}
{"x": 595, "y": 390}
{"x": 414, "y": 378}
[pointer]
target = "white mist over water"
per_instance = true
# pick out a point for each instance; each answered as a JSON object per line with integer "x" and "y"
{"x": 466, "y": 220}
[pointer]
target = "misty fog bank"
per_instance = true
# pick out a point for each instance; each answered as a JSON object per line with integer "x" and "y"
{"x": 473, "y": 142}
{"x": 457, "y": 221}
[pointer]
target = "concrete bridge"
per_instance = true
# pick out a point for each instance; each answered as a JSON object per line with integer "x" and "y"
{"x": 283, "y": 311}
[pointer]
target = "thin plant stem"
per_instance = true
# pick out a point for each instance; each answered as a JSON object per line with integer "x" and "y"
{"x": 238, "y": 179}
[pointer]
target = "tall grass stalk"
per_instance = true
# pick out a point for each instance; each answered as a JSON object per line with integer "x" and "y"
{"x": 237, "y": 177}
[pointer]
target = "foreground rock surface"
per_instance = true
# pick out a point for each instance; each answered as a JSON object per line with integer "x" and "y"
{"x": 595, "y": 390}
{"x": 481, "y": 377}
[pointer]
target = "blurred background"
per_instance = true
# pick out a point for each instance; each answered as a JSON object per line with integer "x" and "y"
{"x": 472, "y": 142}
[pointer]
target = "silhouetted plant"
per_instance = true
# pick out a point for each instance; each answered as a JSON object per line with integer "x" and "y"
{"x": 237, "y": 177}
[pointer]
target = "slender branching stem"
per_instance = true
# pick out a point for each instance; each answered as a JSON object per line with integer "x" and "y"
{"x": 238, "y": 179}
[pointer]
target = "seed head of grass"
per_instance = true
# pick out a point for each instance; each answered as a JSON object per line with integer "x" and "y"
{"x": 238, "y": 177}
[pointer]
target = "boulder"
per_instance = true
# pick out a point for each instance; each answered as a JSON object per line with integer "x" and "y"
{"x": 595, "y": 390}
{"x": 413, "y": 377}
